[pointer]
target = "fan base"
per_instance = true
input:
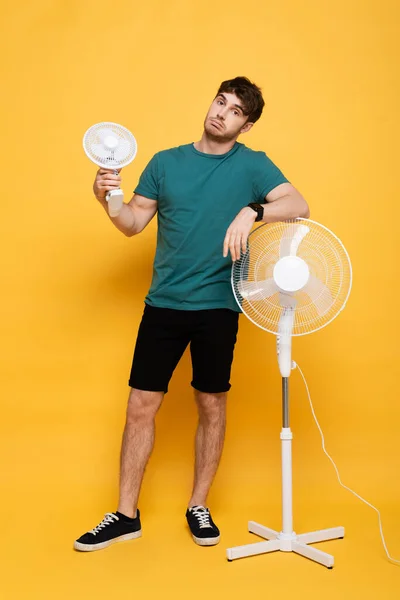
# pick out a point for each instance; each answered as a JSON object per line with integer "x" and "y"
{"x": 286, "y": 542}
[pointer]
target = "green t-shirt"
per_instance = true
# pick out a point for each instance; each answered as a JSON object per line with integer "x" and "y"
{"x": 198, "y": 197}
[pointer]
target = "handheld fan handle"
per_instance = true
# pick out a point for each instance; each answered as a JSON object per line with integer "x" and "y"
{"x": 115, "y": 200}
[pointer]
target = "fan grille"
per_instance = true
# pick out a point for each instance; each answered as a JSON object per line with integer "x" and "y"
{"x": 93, "y": 143}
{"x": 326, "y": 258}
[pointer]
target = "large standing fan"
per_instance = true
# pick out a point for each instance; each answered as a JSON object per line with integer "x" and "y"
{"x": 294, "y": 279}
{"x": 110, "y": 146}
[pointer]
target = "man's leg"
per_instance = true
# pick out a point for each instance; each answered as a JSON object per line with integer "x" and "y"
{"x": 209, "y": 443}
{"x": 211, "y": 347}
{"x": 161, "y": 341}
{"x": 137, "y": 445}
{"x": 159, "y": 346}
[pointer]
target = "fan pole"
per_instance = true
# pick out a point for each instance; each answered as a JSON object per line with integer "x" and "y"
{"x": 286, "y": 442}
{"x": 285, "y": 401}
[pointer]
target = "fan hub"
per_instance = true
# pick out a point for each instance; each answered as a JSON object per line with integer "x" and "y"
{"x": 291, "y": 273}
{"x": 110, "y": 142}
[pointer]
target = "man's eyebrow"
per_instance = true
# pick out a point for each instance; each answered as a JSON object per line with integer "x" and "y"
{"x": 237, "y": 105}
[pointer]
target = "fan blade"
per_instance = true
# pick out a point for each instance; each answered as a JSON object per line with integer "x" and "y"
{"x": 257, "y": 290}
{"x": 287, "y": 300}
{"x": 119, "y": 154}
{"x": 101, "y": 152}
{"x": 105, "y": 132}
{"x": 319, "y": 294}
{"x": 122, "y": 150}
{"x": 292, "y": 239}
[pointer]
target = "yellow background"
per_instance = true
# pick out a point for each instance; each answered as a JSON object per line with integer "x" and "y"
{"x": 73, "y": 288}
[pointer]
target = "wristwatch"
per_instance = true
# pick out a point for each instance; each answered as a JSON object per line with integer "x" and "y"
{"x": 259, "y": 209}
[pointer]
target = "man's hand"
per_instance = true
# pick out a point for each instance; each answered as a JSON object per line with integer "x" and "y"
{"x": 238, "y": 232}
{"x": 105, "y": 181}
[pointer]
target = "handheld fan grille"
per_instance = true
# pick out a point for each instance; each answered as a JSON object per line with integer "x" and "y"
{"x": 294, "y": 279}
{"x": 110, "y": 146}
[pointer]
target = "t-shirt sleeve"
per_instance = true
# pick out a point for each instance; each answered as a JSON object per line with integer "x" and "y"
{"x": 266, "y": 176}
{"x": 148, "y": 185}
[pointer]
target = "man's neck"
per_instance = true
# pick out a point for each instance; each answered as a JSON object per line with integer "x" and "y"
{"x": 208, "y": 146}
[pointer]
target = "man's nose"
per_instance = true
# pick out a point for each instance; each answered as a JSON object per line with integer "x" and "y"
{"x": 222, "y": 113}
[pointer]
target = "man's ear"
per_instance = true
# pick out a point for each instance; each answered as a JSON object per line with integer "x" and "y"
{"x": 246, "y": 127}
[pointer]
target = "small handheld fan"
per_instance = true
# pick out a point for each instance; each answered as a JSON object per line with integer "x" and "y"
{"x": 110, "y": 146}
{"x": 294, "y": 279}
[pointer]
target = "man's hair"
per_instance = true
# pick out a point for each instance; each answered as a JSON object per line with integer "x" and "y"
{"x": 248, "y": 93}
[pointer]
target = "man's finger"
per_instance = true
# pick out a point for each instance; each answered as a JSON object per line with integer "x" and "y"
{"x": 110, "y": 177}
{"x": 226, "y": 245}
{"x": 108, "y": 186}
{"x": 232, "y": 245}
{"x": 103, "y": 171}
{"x": 237, "y": 246}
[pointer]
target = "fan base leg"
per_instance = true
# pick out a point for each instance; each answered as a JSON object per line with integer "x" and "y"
{"x": 286, "y": 542}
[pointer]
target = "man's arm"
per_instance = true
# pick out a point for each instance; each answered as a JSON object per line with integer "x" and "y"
{"x": 135, "y": 215}
{"x": 284, "y": 202}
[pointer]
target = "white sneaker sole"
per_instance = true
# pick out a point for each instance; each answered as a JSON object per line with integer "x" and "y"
{"x": 121, "y": 538}
{"x": 206, "y": 541}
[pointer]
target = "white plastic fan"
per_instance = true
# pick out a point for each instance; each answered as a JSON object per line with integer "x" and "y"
{"x": 294, "y": 279}
{"x": 110, "y": 146}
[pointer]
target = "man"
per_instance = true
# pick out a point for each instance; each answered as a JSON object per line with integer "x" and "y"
{"x": 207, "y": 195}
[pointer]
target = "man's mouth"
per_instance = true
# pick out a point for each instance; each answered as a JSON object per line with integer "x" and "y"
{"x": 217, "y": 123}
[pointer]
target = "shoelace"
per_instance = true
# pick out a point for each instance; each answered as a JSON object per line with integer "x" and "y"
{"x": 202, "y": 515}
{"x": 109, "y": 518}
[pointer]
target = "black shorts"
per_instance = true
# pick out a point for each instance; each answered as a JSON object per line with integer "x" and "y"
{"x": 163, "y": 336}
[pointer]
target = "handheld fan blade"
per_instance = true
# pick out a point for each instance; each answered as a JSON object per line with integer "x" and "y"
{"x": 112, "y": 157}
{"x": 104, "y": 132}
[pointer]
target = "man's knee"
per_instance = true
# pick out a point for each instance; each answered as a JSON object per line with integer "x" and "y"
{"x": 212, "y": 407}
{"x": 143, "y": 405}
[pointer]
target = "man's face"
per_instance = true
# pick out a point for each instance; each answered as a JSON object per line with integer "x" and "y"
{"x": 225, "y": 119}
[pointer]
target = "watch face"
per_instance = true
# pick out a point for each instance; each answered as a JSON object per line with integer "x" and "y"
{"x": 259, "y": 209}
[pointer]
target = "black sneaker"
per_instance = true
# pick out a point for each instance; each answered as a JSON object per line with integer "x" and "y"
{"x": 204, "y": 530}
{"x": 115, "y": 527}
